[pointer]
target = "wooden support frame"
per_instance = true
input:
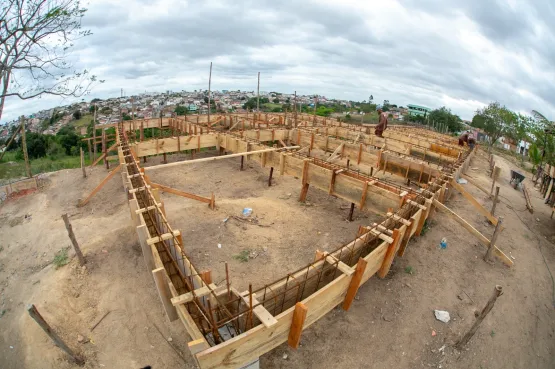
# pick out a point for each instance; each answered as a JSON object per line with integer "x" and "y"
{"x": 99, "y": 186}
{"x": 355, "y": 284}
{"x": 208, "y": 200}
{"x": 474, "y": 202}
{"x": 299, "y": 317}
{"x": 104, "y": 154}
{"x": 500, "y": 254}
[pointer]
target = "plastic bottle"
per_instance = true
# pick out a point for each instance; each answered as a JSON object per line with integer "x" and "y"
{"x": 443, "y": 243}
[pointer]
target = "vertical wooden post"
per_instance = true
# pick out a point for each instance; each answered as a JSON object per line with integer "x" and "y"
{"x": 258, "y": 98}
{"x": 34, "y": 313}
{"x": 304, "y": 190}
{"x": 498, "y": 291}
{"x": 270, "y": 177}
{"x": 73, "y": 240}
{"x": 299, "y": 316}
{"x": 495, "y": 200}
{"x": 355, "y": 284}
{"x": 94, "y": 134}
{"x": 209, "y": 86}
{"x": 491, "y": 245}
{"x": 495, "y": 174}
{"x": 83, "y": 163}
{"x": 24, "y": 147}
{"x": 351, "y": 212}
{"x": 389, "y": 255}
{"x": 90, "y": 150}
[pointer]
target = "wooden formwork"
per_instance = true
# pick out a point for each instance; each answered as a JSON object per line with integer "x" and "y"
{"x": 320, "y": 286}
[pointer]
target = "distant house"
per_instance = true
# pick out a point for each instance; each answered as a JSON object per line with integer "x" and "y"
{"x": 418, "y": 110}
{"x": 192, "y": 107}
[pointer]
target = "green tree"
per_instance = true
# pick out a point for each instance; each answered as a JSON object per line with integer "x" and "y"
{"x": 77, "y": 114}
{"x": 276, "y": 101}
{"x": 68, "y": 138}
{"x": 126, "y": 116}
{"x": 444, "y": 116}
{"x": 324, "y": 111}
{"x": 180, "y": 110}
{"x": 36, "y": 144}
{"x": 497, "y": 121}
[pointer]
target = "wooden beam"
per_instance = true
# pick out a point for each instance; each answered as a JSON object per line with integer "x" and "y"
{"x": 160, "y": 278}
{"x": 473, "y": 231}
{"x": 297, "y": 324}
{"x": 341, "y": 266}
{"x": 190, "y": 296}
{"x": 355, "y": 284}
{"x": 163, "y": 237}
{"x": 100, "y": 185}
{"x": 259, "y": 310}
{"x": 390, "y": 254}
{"x": 474, "y": 202}
{"x": 206, "y": 200}
{"x": 220, "y": 157}
{"x": 336, "y": 152}
{"x": 104, "y": 155}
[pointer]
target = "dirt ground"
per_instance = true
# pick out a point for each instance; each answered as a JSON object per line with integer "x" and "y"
{"x": 391, "y": 324}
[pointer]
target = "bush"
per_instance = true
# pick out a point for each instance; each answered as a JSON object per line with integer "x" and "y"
{"x": 55, "y": 150}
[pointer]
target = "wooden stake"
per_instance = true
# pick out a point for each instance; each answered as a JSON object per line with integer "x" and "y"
{"x": 297, "y": 324}
{"x": 495, "y": 175}
{"x": 389, "y": 255}
{"x": 24, "y": 147}
{"x": 495, "y": 200}
{"x": 351, "y": 212}
{"x": 355, "y": 284}
{"x": 73, "y": 240}
{"x": 100, "y": 185}
{"x": 491, "y": 245}
{"x": 498, "y": 291}
{"x": 34, "y": 313}
{"x": 270, "y": 177}
{"x": 83, "y": 163}
{"x": 94, "y": 133}
{"x": 209, "y": 86}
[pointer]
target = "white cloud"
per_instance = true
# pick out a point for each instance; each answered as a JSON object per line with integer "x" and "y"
{"x": 430, "y": 52}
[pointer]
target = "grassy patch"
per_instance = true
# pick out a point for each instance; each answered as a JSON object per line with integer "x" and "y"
{"x": 84, "y": 121}
{"x": 60, "y": 258}
{"x": 271, "y": 106}
{"x": 492, "y": 333}
{"x": 243, "y": 256}
{"x": 427, "y": 226}
{"x": 409, "y": 270}
{"x": 12, "y": 168}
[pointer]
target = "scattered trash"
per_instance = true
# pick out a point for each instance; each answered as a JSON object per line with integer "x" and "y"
{"x": 460, "y": 297}
{"x": 219, "y": 245}
{"x": 170, "y": 339}
{"x": 443, "y": 243}
{"x": 80, "y": 338}
{"x": 537, "y": 219}
{"x": 226, "y": 219}
{"x": 434, "y": 333}
{"x": 105, "y": 251}
{"x": 462, "y": 181}
{"x": 284, "y": 356}
{"x": 441, "y": 348}
{"x": 442, "y": 315}
{"x": 247, "y": 212}
{"x": 11, "y": 347}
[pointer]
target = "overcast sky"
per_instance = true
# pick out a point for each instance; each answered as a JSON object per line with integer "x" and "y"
{"x": 461, "y": 54}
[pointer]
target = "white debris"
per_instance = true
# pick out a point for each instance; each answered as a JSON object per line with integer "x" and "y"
{"x": 442, "y": 316}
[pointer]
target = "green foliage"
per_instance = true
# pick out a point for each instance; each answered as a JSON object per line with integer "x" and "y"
{"x": 126, "y": 116}
{"x": 68, "y": 138}
{"x": 60, "y": 258}
{"x": 91, "y": 109}
{"x": 324, "y": 111}
{"x": 77, "y": 114}
{"x": 251, "y": 103}
{"x": 180, "y": 110}
{"x": 348, "y": 116}
{"x": 243, "y": 256}
{"x": 444, "y": 116}
{"x": 408, "y": 270}
{"x": 55, "y": 150}
{"x": 275, "y": 101}
{"x": 276, "y": 110}
{"x": 497, "y": 121}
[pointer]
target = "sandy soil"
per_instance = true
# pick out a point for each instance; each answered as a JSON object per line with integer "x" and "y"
{"x": 389, "y": 326}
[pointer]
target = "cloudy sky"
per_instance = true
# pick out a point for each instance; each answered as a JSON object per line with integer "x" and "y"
{"x": 461, "y": 54}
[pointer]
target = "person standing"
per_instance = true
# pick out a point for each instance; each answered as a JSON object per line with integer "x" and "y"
{"x": 382, "y": 123}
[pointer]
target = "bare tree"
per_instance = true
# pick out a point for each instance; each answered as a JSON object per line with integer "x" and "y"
{"x": 35, "y": 39}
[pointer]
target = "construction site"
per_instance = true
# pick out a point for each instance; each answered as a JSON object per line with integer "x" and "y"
{"x": 283, "y": 241}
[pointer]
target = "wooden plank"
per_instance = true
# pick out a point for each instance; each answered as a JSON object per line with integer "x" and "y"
{"x": 355, "y": 284}
{"x": 474, "y": 202}
{"x": 104, "y": 155}
{"x": 189, "y": 296}
{"x": 473, "y": 231}
{"x": 390, "y": 254}
{"x": 161, "y": 281}
{"x": 299, "y": 317}
{"x": 265, "y": 317}
{"x": 188, "y": 195}
{"x": 99, "y": 186}
{"x": 163, "y": 237}
{"x": 341, "y": 266}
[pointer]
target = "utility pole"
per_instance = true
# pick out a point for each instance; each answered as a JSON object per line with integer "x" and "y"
{"x": 258, "y": 95}
{"x": 24, "y": 146}
{"x": 209, "y": 90}
{"x": 295, "y": 104}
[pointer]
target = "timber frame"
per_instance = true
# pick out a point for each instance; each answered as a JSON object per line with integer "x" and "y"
{"x": 230, "y": 329}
